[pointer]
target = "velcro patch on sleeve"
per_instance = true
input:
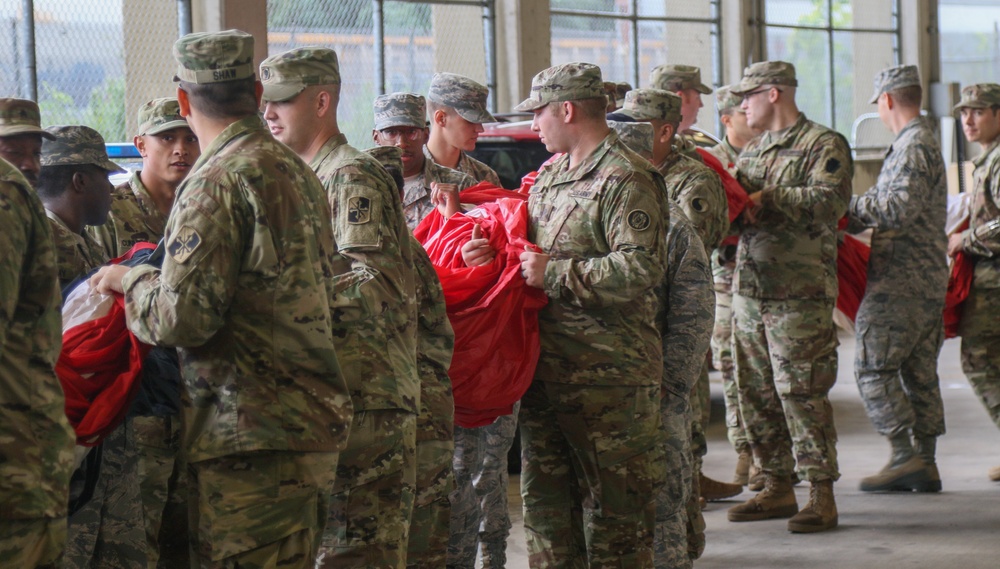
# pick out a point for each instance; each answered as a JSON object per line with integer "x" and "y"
{"x": 184, "y": 243}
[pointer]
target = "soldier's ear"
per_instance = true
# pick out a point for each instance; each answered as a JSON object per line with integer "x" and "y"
{"x": 183, "y": 102}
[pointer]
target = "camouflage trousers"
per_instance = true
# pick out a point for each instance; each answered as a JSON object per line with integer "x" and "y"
{"x": 592, "y": 465}
{"x": 429, "y": 525}
{"x": 980, "y": 331}
{"x": 369, "y": 517}
{"x": 32, "y": 544}
{"x": 699, "y": 406}
{"x": 722, "y": 360}
{"x": 898, "y": 342}
{"x": 785, "y": 353}
{"x": 107, "y": 532}
{"x": 701, "y": 409}
{"x": 479, "y": 511}
{"x": 259, "y": 510}
{"x": 671, "y": 547}
{"x": 163, "y": 489}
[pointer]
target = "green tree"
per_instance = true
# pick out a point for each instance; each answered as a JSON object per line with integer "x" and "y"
{"x": 105, "y": 111}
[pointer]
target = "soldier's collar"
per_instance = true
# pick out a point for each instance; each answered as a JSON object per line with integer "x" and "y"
{"x": 332, "y": 143}
{"x": 583, "y": 169}
{"x": 238, "y": 128}
{"x": 987, "y": 151}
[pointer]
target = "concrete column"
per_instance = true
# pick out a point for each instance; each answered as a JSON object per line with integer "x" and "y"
{"x": 920, "y": 39}
{"x": 458, "y": 40}
{"x": 149, "y": 28}
{"x": 740, "y": 42}
{"x": 247, "y": 15}
{"x": 523, "y": 48}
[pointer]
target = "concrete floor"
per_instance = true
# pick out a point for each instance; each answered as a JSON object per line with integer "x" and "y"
{"x": 958, "y": 528}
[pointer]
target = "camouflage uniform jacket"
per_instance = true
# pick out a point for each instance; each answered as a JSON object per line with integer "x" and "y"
{"x": 417, "y": 193}
{"x": 479, "y": 171}
{"x": 373, "y": 325}
{"x": 726, "y": 153}
{"x": 603, "y": 224}
{"x": 435, "y": 344}
{"x": 243, "y": 293}
{"x": 982, "y": 240}
{"x": 77, "y": 253}
{"x": 697, "y": 190}
{"x": 907, "y": 207}
{"x": 687, "y": 312}
{"x": 36, "y": 441}
{"x": 133, "y": 218}
{"x": 804, "y": 176}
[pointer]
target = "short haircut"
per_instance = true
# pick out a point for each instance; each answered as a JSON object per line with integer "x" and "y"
{"x": 53, "y": 180}
{"x": 910, "y": 96}
{"x": 433, "y": 107}
{"x": 226, "y": 100}
{"x": 592, "y": 108}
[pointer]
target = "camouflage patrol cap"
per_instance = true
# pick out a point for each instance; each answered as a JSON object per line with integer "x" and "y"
{"x": 979, "y": 96}
{"x": 652, "y": 104}
{"x": 214, "y": 57}
{"x": 636, "y": 135}
{"x": 893, "y": 78}
{"x": 566, "y": 82}
{"x": 285, "y": 75}
{"x": 160, "y": 115}
{"x": 620, "y": 90}
{"x": 725, "y": 100}
{"x": 400, "y": 109}
{"x": 387, "y": 156}
{"x": 76, "y": 145}
{"x": 20, "y": 116}
{"x": 765, "y": 73}
{"x": 467, "y": 97}
{"x": 677, "y": 78}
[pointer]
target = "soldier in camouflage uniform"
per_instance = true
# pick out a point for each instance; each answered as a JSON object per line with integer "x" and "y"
{"x": 798, "y": 175}
{"x": 980, "y": 326}
{"x": 590, "y": 422}
{"x": 36, "y": 441}
{"x": 75, "y": 190}
{"x": 108, "y": 530}
{"x": 374, "y": 335}
{"x": 697, "y": 191}
{"x": 685, "y": 82}
{"x": 899, "y": 325}
{"x": 686, "y": 309}
{"x": 429, "y": 525}
{"x": 456, "y": 106}
{"x": 400, "y": 120}
{"x": 723, "y": 265}
{"x": 244, "y": 293}
{"x": 139, "y": 209}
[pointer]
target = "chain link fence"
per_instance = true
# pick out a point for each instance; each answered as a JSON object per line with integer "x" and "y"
{"x": 417, "y": 39}
{"x": 837, "y": 47}
{"x": 628, "y": 38}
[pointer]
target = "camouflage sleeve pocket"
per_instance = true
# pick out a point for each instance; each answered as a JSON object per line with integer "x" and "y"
{"x": 636, "y": 221}
{"x": 359, "y": 219}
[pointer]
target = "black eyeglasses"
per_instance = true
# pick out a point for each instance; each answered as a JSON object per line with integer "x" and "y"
{"x": 746, "y": 96}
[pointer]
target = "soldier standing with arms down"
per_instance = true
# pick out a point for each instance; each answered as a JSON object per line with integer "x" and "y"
{"x": 36, "y": 440}
{"x": 798, "y": 175}
{"x": 590, "y": 422}
{"x": 980, "y": 326}
{"x": 243, "y": 293}
{"x": 373, "y": 330}
{"x": 899, "y": 325}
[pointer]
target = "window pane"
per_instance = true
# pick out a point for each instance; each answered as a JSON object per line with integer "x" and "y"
{"x": 970, "y": 41}
{"x": 602, "y": 41}
{"x": 610, "y": 6}
{"x": 797, "y": 12}
{"x": 808, "y": 51}
{"x": 858, "y": 57}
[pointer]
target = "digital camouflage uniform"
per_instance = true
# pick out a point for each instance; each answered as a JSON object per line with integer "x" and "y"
{"x": 980, "y": 326}
{"x": 135, "y": 218}
{"x": 592, "y": 451}
{"x": 36, "y": 441}
{"x": 107, "y": 531}
{"x": 417, "y": 192}
{"x": 785, "y": 287}
{"x": 479, "y": 512}
{"x": 723, "y": 265}
{"x": 686, "y": 318}
{"x": 243, "y": 293}
{"x": 899, "y": 326}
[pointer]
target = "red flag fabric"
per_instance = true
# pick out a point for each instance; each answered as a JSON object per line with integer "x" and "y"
{"x": 100, "y": 364}
{"x": 493, "y": 311}
{"x": 959, "y": 284}
{"x": 736, "y": 196}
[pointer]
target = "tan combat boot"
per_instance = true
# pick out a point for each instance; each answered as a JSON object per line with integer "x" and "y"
{"x": 926, "y": 449}
{"x": 713, "y": 490}
{"x": 756, "y": 479}
{"x": 743, "y": 462}
{"x": 776, "y": 500}
{"x": 820, "y": 513}
{"x": 904, "y": 477}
